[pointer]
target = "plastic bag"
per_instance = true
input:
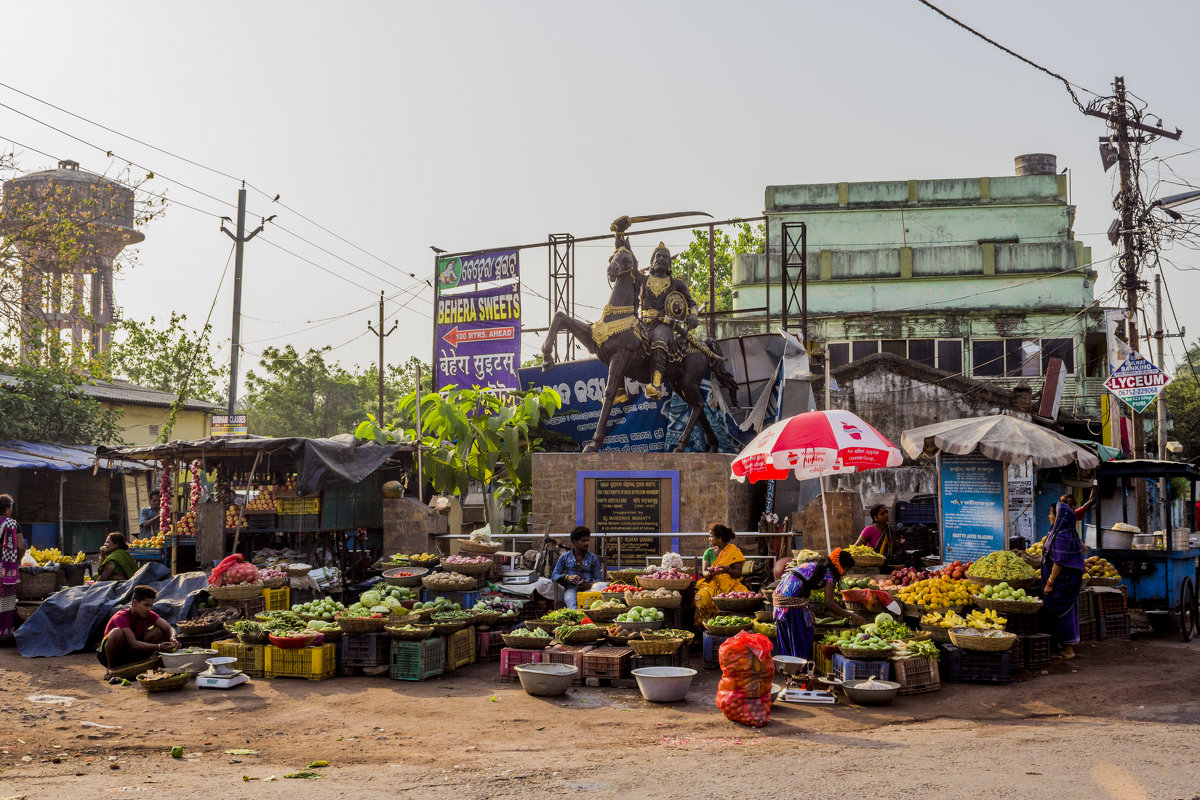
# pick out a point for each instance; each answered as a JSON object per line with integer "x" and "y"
{"x": 28, "y": 560}
{"x": 747, "y": 670}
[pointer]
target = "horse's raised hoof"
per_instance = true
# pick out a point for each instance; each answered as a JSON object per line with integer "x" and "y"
{"x": 547, "y": 363}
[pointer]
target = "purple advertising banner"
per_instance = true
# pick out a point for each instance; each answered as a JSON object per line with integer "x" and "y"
{"x": 477, "y": 321}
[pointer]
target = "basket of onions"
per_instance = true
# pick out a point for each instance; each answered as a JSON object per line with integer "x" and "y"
{"x": 273, "y": 578}
{"x": 674, "y": 579}
{"x": 235, "y": 579}
{"x": 467, "y": 565}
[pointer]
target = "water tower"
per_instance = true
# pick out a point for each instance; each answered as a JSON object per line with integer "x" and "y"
{"x": 68, "y": 225}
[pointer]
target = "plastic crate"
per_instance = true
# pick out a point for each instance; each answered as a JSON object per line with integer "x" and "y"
{"x": 465, "y": 599}
{"x": 260, "y": 522}
{"x": 296, "y": 523}
{"x": 202, "y": 640}
{"x": 1018, "y": 655}
{"x": 249, "y": 656}
{"x": 418, "y": 661}
{"x": 919, "y": 513}
{"x": 313, "y": 663}
{"x": 608, "y": 662}
{"x": 298, "y": 505}
{"x": 712, "y": 646}
{"x": 584, "y": 600}
{"x": 917, "y": 675}
{"x": 1114, "y": 626}
{"x": 1087, "y": 605}
{"x": 146, "y": 553}
{"x": 851, "y": 669}
{"x": 1088, "y": 630}
{"x": 677, "y": 659}
{"x": 568, "y": 654}
{"x": 488, "y": 645}
{"x": 1021, "y": 624}
{"x": 968, "y": 666}
{"x": 460, "y": 649}
{"x": 277, "y": 599}
{"x": 1037, "y": 650}
{"x": 1110, "y": 602}
{"x": 510, "y": 657}
{"x": 821, "y": 663}
{"x": 255, "y": 605}
{"x": 363, "y": 650}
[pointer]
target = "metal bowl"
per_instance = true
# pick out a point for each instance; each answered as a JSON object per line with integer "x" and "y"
{"x": 871, "y": 692}
{"x": 664, "y": 684}
{"x": 546, "y": 680}
{"x": 790, "y": 665}
{"x": 390, "y": 577}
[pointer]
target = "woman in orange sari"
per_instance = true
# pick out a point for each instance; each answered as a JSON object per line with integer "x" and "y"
{"x": 722, "y": 576}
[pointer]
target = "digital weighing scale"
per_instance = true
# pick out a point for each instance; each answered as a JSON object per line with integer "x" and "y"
{"x": 221, "y": 680}
{"x": 802, "y": 682}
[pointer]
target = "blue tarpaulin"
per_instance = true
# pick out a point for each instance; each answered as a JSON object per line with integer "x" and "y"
{"x": 61, "y": 457}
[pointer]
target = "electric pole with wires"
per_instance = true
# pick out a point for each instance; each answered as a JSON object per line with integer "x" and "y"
{"x": 382, "y": 336}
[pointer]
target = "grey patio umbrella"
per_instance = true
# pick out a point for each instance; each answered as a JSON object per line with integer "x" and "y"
{"x": 999, "y": 437}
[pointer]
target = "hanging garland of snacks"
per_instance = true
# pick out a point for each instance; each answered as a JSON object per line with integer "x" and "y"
{"x": 164, "y": 497}
{"x": 194, "y": 498}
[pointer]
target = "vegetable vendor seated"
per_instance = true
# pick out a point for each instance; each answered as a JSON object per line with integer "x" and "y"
{"x": 722, "y": 576}
{"x": 577, "y": 570}
{"x": 136, "y": 633}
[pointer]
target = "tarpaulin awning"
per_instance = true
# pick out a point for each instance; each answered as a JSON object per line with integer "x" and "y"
{"x": 321, "y": 463}
{"x": 61, "y": 457}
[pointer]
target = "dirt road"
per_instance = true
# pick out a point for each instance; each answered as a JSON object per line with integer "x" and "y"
{"x": 1122, "y": 722}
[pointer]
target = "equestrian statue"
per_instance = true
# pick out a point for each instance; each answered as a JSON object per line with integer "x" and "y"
{"x": 647, "y": 332}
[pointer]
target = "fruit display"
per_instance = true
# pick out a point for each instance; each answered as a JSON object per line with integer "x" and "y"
{"x": 645, "y": 614}
{"x": 860, "y": 550}
{"x": 939, "y": 592}
{"x": 413, "y": 559}
{"x": 1002, "y": 591}
{"x": 865, "y": 641}
{"x": 949, "y": 619}
{"x": 264, "y": 500}
{"x": 858, "y": 583}
{"x": 155, "y": 542}
{"x": 1097, "y": 567}
{"x": 440, "y": 605}
{"x": 957, "y": 570}
{"x": 231, "y": 518}
{"x": 765, "y": 628}
{"x": 621, "y": 587}
{"x": 986, "y": 620}
{"x": 740, "y": 596}
{"x": 669, "y": 575}
{"x": 1037, "y": 548}
{"x": 725, "y": 621}
{"x": 53, "y": 555}
{"x": 1002, "y": 565}
{"x": 325, "y": 608}
{"x": 919, "y": 649}
{"x": 184, "y": 527}
{"x": 907, "y": 576}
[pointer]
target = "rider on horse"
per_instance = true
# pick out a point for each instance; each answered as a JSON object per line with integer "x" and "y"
{"x": 668, "y": 315}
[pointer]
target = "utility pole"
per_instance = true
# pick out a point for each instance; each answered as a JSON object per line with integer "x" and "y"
{"x": 239, "y": 241}
{"x": 382, "y": 336}
{"x": 1161, "y": 402}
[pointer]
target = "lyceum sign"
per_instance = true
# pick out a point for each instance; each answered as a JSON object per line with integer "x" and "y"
{"x": 1137, "y": 382}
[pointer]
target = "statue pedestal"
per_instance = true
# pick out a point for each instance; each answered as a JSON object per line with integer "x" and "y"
{"x": 652, "y": 494}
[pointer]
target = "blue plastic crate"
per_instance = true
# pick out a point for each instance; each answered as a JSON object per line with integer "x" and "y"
{"x": 851, "y": 669}
{"x": 466, "y": 599}
{"x": 712, "y": 645}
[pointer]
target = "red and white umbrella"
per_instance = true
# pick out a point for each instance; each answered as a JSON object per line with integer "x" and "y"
{"x": 813, "y": 445}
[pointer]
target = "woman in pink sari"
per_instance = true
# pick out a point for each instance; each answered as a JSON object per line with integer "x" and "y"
{"x": 12, "y": 547}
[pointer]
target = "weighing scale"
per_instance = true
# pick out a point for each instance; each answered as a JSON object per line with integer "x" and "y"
{"x": 221, "y": 674}
{"x": 803, "y": 686}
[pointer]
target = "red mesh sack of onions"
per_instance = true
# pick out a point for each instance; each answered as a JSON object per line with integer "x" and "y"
{"x": 233, "y": 570}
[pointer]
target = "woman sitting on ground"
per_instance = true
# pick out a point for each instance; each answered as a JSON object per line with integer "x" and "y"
{"x": 723, "y": 575}
{"x": 115, "y": 562}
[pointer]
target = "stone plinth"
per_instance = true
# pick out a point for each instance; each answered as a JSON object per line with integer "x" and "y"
{"x": 845, "y": 521}
{"x": 408, "y": 526}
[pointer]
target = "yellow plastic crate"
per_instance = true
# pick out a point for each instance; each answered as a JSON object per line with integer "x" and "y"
{"x": 249, "y": 656}
{"x": 313, "y": 663}
{"x": 585, "y": 599}
{"x": 277, "y": 599}
{"x": 298, "y": 505}
{"x": 460, "y": 649}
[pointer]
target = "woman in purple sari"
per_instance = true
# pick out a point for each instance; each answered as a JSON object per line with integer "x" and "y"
{"x": 795, "y": 629}
{"x": 1062, "y": 577}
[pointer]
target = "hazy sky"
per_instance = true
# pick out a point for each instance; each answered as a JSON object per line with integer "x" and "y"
{"x": 401, "y": 125}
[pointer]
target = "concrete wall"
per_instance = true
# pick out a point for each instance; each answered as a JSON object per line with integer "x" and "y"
{"x": 136, "y": 422}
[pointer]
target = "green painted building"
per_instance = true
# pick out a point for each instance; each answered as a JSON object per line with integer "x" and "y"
{"x": 977, "y": 276}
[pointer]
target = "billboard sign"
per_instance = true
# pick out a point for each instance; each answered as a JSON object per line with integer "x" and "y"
{"x": 1137, "y": 382}
{"x": 477, "y": 321}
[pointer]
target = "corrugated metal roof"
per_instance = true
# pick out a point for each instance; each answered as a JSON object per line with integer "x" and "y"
{"x": 132, "y": 394}
{"x": 60, "y": 457}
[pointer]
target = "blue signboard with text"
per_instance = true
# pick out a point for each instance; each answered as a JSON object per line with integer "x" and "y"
{"x": 972, "y": 499}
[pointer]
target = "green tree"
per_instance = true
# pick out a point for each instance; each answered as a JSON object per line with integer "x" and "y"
{"x": 170, "y": 359}
{"x": 692, "y": 264}
{"x": 473, "y": 435}
{"x": 46, "y": 404}
{"x": 1182, "y": 397}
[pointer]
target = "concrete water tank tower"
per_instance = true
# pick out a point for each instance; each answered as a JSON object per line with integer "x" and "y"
{"x": 68, "y": 226}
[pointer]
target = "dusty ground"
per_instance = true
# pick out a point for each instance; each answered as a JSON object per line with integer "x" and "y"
{"x": 1121, "y": 722}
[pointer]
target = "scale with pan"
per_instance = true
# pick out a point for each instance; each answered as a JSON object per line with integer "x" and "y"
{"x": 802, "y": 685}
{"x": 221, "y": 674}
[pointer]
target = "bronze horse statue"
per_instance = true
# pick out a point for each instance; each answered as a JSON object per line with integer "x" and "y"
{"x": 617, "y": 340}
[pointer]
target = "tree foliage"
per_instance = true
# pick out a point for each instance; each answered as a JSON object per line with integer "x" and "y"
{"x": 1182, "y": 397}
{"x": 46, "y": 404}
{"x": 170, "y": 359}
{"x": 290, "y": 394}
{"x": 692, "y": 264}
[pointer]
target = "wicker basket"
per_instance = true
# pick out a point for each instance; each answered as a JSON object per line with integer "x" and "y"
{"x": 1009, "y": 606}
{"x": 675, "y": 584}
{"x": 612, "y": 596}
{"x": 989, "y": 644}
{"x": 177, "y": 681}
{"x": 684, "y": 636}
{"x": 653, "y": 602}
{"x": 622, "y": 641}
{"x": 543, "y": 625}
{"x": 37, "y": 585}
{"x": 420, "y": 634}
{"x": 248, "y": 637}
{"x": 447, "y": 628}
{"x": 239, "y": 591}
{"x": 519, "y": 642}
{"x": 422, "y": 613}
{"x": 1101, "y": 581}
{"x": 583, "y": 635}
{"x": 868, "y": 562}
{"x": 606, "y": 614}
{"x": 624, "y": 575}
{"x": 865, "y": 653}
{"x": 766, "y": 615}
{"x": 469, "y": 546}
{"x": 332, "y": 635}
{"x": 1022, "y": 583}
{"x": 1031, "y": 560}
{"x": 275, "y": 583}
{"x": 402, "y": 619}
{"x": 487, "y": 617}
{"x": 441, "y": 582}
{"x": 361, "y": 624}
{"x": 197, "y": 627}
{"x": 738, "y": 603}
{"x": 727, "y": 630}
{"x": 651, "y": 625}
{"x": 298, "y": 572}
{"x": 936, "y": 633}
{"x": 655, "y": 646}
{"x": 131, "y": 671}
{"x": 482, "y": 568}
